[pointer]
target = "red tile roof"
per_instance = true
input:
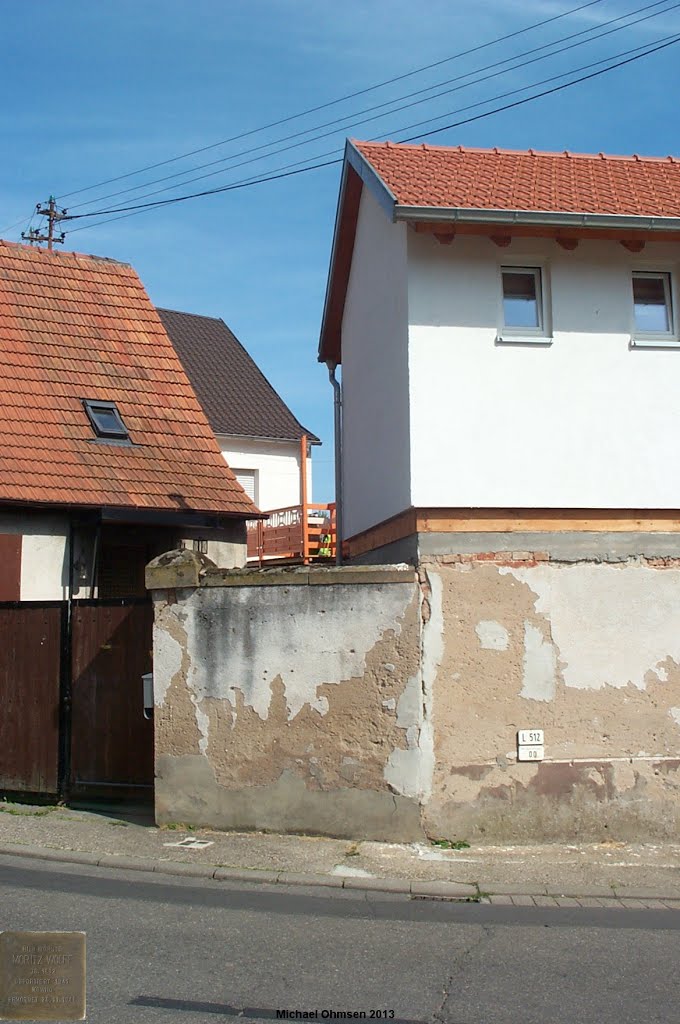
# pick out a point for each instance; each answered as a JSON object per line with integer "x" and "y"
{"x": 501, "y": 179}
{"x": 75, "y": 327}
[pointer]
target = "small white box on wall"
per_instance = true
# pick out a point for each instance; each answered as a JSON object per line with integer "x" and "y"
{"x": 530, "y": 737}
{"x": 533, "y": 753}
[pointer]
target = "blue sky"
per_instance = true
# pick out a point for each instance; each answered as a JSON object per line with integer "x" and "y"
{"x": 96, "y": 90}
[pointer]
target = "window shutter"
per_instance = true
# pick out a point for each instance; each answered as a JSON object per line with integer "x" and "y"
{"x": 246, "y": 478}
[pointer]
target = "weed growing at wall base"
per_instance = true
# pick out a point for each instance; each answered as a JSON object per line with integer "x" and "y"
{"x": 451, "y": 844}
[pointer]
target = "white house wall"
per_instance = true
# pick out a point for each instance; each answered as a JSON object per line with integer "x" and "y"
{"x": 44, "y": 564}
{"x": 375, "y": 373}
{"x": 587, "y": 421}
{"x": 276, "y": 465}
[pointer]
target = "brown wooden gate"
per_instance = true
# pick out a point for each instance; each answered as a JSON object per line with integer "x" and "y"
{"x": 111, "y": 743}
{"x": 31, "y": 657}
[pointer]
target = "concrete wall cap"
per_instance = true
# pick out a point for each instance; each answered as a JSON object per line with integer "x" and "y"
{"x": 176, "y": 569}
{"x": 314, "y": 575}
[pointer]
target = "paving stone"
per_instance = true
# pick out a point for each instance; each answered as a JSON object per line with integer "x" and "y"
{"x": 568, "y": 889}
{"x": 523, "y": 901}
{"x": 545, "y": 901}
{"x": 630, "y": 892}
{"x": 631, "y": 903}
{"x": 566, "y": 901}
{"x": 501, "y": 900}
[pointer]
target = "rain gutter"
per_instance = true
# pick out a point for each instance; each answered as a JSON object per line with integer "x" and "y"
{"x": 592, "y": 221}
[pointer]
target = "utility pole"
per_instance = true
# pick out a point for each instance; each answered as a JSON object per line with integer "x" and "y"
{"x": 54, "y": 215}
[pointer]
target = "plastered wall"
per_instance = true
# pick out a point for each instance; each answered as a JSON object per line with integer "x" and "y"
{"x": 289, "y": 701}
{"x": 588, "y": 652}
{"x": 377, "y": 702}
{"x": 276, "y": 465}
{"x": 44, "y": 553}
{"x": 587, "y": 421}
{"x": 375, "y": 460}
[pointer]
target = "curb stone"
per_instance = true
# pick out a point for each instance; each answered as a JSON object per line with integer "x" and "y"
{"x": 462, "y": 890}
{"x": 294, "y": 878}
{"x": 416, "y": 888}
{"x": 246, "y": 875}
{"x": 398, "y": 885}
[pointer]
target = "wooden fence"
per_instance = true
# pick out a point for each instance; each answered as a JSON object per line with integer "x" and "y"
{"x": 299, "y": 533}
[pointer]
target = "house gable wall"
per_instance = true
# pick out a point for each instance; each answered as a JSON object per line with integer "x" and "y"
{"x": 586, "y": 422}
{"x": 375, "y": 373}
{"x": 277, "y": 468}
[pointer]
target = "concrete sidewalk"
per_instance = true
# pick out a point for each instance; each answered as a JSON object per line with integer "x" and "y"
{"x": 608, "y": 873}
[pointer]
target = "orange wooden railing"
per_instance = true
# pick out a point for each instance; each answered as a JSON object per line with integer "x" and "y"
{"x": 299, "y": 533}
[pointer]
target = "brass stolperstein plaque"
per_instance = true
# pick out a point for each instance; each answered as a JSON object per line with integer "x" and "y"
{"x": 42, "y": 975}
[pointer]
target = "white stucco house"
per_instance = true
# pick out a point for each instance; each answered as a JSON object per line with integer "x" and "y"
{"x": 262, "y": 441}
{"x": 508, "y": 330}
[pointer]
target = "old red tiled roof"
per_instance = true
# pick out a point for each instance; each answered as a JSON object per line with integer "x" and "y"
{"x": 75, "y": 327}
{"x": 501, "y": 179}
{"x": 236, "y": 396}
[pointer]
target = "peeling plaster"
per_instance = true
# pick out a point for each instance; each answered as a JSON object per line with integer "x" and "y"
{"x": 611, "y": 624}
{"x": 410, "y": 772}
{"x": 675, "y": 714}
{"x": 492, "y": 636}
{"x": 321, "y": 705}
{"x": 203, "y": 723}
{"x": 328, "y": 644}
{"x": 166, "y": 664}
{"x": 539, "y": 666}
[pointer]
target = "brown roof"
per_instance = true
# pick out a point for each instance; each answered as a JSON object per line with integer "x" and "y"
{"x": 235, "y": 394}
{"x": 503, "y": 179}
{"x": 75, "y": 327}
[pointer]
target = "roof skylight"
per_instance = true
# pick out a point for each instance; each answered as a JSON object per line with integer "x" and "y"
{"x": 106, "y": 420}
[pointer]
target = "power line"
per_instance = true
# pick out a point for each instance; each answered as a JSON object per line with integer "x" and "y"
{"x": 548, "y": 92}
{"x": 347, "y": 120}
{"x": 10, "y": 227}
{"x": 356, "y": 124}
{"x": 341, "y": 99}
{"x": 662, "y": 45}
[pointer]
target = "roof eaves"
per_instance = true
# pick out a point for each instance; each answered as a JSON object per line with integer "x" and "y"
{"x": 616, "y": 222}
{"x": 312, "y": 438}
{"x": 342, "y": 247}
{"x": 370, "y": 177}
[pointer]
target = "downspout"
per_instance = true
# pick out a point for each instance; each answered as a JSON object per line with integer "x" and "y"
{"x": 337, "y": 421}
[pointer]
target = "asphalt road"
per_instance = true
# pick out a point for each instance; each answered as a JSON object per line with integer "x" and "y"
{"x": 184, "y": 951}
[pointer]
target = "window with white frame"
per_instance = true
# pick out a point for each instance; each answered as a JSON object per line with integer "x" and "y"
{"x": 653, "y": 306}
{"x": 523, "y": 297}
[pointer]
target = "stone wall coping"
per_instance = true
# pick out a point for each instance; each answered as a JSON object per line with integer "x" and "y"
{"x": 176, "y": 570}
